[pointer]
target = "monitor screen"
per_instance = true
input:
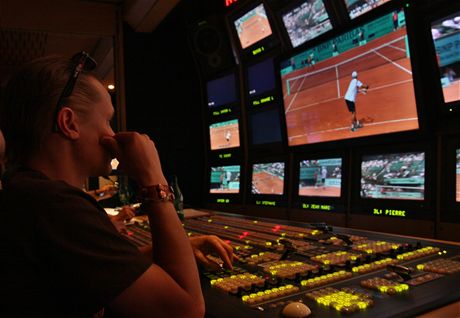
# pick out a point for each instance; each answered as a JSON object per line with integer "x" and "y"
{"x": 446, "y": 37}
{"x": 268, "y": 178}
{"x": 224, "y": 134}
{"x": 358, "y": 7}
{"x": 222, "y": 91}
{"x": 253, "y": 26}
{"x": 398, "y": 176}
{"x": 265, "y": 127}
{"x": 458, "y": 176}
{"x": 320, "y": 177}
{"x": 306, "y": 21}
{"x": 261, "y": 77}
{"x": 353, "y": 85}
{"x": 225, "y": 179}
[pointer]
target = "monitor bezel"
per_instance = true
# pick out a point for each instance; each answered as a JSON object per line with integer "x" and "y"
{"x": 430, "y": 15}
{"x": 423, "y": 112}
{"x": 260, "y": 47}
{"x": 267, "y": 200}
{"x": 321, "y": 203}
{"x": 449, "y": 206}
{"x": 226, "y": 109}
{"x": 291, "y": 6}
{"x": 414, "y": 209}
{"x": 225, "y": 198}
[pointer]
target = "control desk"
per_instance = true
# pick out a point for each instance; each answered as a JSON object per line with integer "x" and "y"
{"x": 330, "y": 271}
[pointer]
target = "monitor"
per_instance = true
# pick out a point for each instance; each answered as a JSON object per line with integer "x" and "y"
{"x": 224, "y": 134}
{"x": 261, "y": 78}
{"x": 320, "y": 178}
{"x": 457, "y": 176}
{"x": 445, "y": 33}
{"x": 352, "y": 85}
{"x": 393, "y": 176}
{"x": 268, "y": 178}
{"x": 221, "y": 91}
{"x": 305, "y": 21}
{"x": 252, "y": 26}
{"x": 225, "y": 179}
{"x": 358, "y": 7}
{"x": 265, "y": 127}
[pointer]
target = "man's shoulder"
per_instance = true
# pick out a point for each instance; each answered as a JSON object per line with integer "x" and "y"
{"x": 32, "y": 187}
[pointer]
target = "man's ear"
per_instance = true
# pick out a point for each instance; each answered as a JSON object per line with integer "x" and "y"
{"x": 67, "y": 122}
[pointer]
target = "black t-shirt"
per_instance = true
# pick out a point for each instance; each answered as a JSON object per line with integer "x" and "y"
{"x": 60, "y": 255}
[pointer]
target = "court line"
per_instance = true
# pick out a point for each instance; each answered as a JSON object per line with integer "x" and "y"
{"x": 337, "y": 80}
{"x": 295, "y": 95}
{"x": 397, "y": 48}
{"x": 348, "y": 127}
{"x": 340, "y": 97}
{"x": 392, "y": 62}
{"x": 347, "y": 60}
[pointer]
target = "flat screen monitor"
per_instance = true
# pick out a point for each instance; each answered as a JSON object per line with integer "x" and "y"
{"x": 395, "y": 176}
{"x": 224, "y": 134}
{"x": 320, "y": 178}
{"x": 306, "y": 21}
{"x": 265, "y": 127}
{"x": 457, "y": 176}
{"x": 253, "y": 26}
{"x": 261, "y": 77}
{"x": 356, "y": 84}
{"x": 268, "y": 178}
{"x": 225, "y": 179}
{"x": 445, "y": 33}
{"x": 222, "y": 91}
{"x": 358, "y": 7}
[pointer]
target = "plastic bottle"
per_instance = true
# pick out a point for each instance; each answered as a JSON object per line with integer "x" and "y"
{"x": 178, "y": 198}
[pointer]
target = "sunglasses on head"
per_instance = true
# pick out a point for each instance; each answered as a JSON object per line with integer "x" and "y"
{"x": 83, "y": 62}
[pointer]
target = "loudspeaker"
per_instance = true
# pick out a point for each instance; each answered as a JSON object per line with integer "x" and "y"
{"x": 209, "y": 42}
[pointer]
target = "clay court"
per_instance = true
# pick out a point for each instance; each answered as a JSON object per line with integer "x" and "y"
{"x": 316, "y": 110}
{"x": 267, "y": 183}
{"x": 218, "y": 134}
{"x": 253, "y": 29}
{"x": 319, "y": 191}
{"x": 452, "y": 92}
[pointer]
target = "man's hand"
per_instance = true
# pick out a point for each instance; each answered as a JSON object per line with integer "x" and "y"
{"x": 211, "y": 244}
{"x": 137, "y": 155}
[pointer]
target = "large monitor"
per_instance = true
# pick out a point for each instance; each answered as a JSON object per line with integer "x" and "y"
{"x": 356, "y": 84}
{"x": 225, "y": 179}
{"x": 320, "y": 178}
{"x": 358, "y": 7}
{"x": 224, "y": 134}
{"x": 268, "y": 178}
{"x": 252, "y": 26}
{"x": 445, "y": 33}
{"x": 394, "y": 176}
{"x": 305, "y": 20}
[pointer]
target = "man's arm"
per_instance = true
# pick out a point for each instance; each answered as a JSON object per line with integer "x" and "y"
{"x": 170, "y": 287}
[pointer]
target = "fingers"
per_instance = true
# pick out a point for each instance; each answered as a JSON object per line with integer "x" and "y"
{"x": 224, "y": 250}
{"x": 206, "y": 262}
{"x": 110, "y": 143}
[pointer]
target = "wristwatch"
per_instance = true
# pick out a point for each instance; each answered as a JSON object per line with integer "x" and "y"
{"x": 157, "y": 193}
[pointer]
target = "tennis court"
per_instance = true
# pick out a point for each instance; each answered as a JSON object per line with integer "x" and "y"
{"x": 266, "y": 183}
{"x": 314, "y": 96}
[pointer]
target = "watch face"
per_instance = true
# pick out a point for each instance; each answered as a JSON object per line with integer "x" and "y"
{"x": 163, "y": 194}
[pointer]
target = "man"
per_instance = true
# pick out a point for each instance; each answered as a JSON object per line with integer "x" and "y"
{"x": 64, "y": 258}
{"x": 354, "y": 87}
